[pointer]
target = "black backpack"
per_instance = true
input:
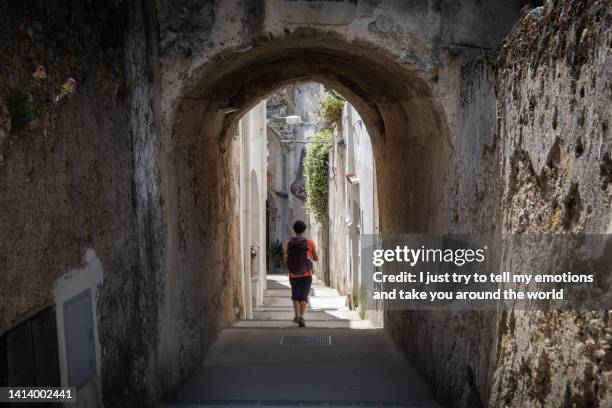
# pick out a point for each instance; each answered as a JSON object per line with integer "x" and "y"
{"x": 297, "y": 256}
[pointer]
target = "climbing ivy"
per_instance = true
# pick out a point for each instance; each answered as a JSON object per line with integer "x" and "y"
{"x": 316, "y": 171}
{"x": 331, "y": 109}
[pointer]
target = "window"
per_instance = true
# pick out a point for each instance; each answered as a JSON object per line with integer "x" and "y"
{"x": 29, "y": 354}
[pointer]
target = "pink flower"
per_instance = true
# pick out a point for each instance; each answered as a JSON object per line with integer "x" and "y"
{"x": 69, "y": 86}
{"x": 67, "y": 89}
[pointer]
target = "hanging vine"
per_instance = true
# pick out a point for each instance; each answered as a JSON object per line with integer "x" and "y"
{"x": 316, "y": 170}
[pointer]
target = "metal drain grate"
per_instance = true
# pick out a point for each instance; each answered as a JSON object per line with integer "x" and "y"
{"x": 305, "y": 340}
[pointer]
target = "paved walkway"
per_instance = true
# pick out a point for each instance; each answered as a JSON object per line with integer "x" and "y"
{"x": 324, "y": 364}
{"x": 327, "y": 309}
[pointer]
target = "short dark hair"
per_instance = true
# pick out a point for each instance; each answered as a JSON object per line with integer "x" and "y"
{"x": 299, "y": 227}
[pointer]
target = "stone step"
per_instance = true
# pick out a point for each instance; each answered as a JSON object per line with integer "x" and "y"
{"x": 289, "y": 324}
{"x": 277, "y": 292}
{"x": 314, "y": 291}
{"x": 327, "y": 302}
{"x": 324, "y": 291}
{"x": 277, "y": 301}
{"x": 273, "y": 309}
{"x": 287, "y": 314}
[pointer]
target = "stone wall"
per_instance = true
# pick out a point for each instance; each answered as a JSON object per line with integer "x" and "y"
{"x": 532, "y": 155}
{"x": 141, "y": 70}
{"x": 56, "y": 156}
{"x": 544, "y": 151}
{"x": 453, "y": 349}
{"x": 66, "y": 176}
{"x": 553, "y": 101}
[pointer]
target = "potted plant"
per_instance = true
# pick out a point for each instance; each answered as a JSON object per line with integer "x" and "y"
{"x": 254, "y": 251}
{"x": 276, "y": 252}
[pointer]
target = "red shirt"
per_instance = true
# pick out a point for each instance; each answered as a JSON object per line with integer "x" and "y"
{"x": 310, "y": 249}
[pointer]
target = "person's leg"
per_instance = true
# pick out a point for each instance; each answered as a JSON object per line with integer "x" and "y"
{"x": 306, "y": 283}
{"x": 296, "y": 307}
{"x": 304, "y": 303}
{"x": 295, "y": 298}
{"x": 301, "y": 321}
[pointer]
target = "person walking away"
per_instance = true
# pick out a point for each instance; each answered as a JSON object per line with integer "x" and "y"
{"x": 299, "y": 254}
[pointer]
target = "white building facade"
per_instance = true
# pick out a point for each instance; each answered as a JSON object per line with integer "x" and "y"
{"x": 352, "y": 201}
{"x": 253, "y": 190}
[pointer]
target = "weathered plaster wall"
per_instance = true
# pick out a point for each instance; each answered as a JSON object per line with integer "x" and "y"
{"x": 140, "y": 367}
{"x": 554, "y": 108}
{"x": 454, "y": 348}
{"x": 66, "y": 179}
{"x": 351, "y": 207}
{"x": 338, "y": 228}
{"x": 61, "y": 162}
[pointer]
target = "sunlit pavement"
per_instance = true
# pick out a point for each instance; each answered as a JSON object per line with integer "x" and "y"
{"x": 331, "y": 365}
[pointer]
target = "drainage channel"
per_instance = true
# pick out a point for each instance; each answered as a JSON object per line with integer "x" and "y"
{"x": 305, "y": 341}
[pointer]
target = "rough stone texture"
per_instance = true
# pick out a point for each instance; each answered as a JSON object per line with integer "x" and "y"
{"x": 60, "y": 163}
{"x": 458, "y": 365}
{"x": 65, "y": 178}
{"x": 141, "y": 368}
{"x": 554, "y": 107}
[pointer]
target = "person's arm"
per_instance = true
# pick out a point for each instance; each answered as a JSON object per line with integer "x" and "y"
{"x": 315, "y": 256}
{"x": 285, "y": 253}
{"x": 313, "y": 252}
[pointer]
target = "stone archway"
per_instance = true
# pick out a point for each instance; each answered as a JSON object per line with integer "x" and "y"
{"x": 399, "y": 64}
{"x": 409, "y": 137}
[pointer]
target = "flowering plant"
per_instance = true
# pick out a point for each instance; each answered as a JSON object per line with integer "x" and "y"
{"x": 67, "y": 89}
{"x": 28, "y": 106}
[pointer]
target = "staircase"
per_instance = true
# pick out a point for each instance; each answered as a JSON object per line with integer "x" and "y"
{"x": 327, "y": 308}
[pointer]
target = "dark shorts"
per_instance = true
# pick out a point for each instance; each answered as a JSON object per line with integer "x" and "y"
{"x": 300, "y": 288}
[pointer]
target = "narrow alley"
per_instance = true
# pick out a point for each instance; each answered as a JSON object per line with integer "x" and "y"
{"x": 338, "y": 360}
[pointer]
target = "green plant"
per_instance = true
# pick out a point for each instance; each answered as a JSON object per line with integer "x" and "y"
{"x": 21, "y": 109}
{"x": 331, "y": 109}
{"x": 254, "y": 251}
{"x": 316, "y": 171}
{"x": 276, "y": 252}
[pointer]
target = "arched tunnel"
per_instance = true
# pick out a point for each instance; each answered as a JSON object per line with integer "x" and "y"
{"x": 408, "y": 133}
